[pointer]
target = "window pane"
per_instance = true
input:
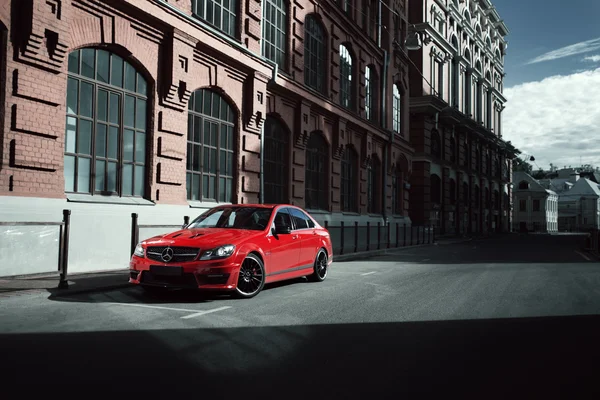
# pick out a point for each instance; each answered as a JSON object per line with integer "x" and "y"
{"x": 100, "y": 140}
{"x": 211, "y": 187}
{"x": 74, "y": 62}
{"x": 229, "y": 190}
{"x": 116, "y": 71}
{"x": 222, "y": 189}
{"x": 213, "y": 161}
{"x": 69, "y": 173}
{"x": 139, "y": 180}
{"x": 189, "y": 156}
{"x": 129, "y": 77}
{"x": 128, "y": 180}
{"x": 128, "y": 136}
{"x": 129, "y": 112}
{"x": 72, "y": 92}
{"x": 88, "y": 62}
{"x": 215, "y": 106}
{"x": 206, "y": 132}
{"x": 206, "y": 102}
{"x": 100, "y": 174}
{"x": 222, "y": 161}
{"x": 112, "y": 177}
{"x": 190, "y": 129}
{"x": 213, "y": 134}
{"x": 86, "y": 99}
{"x": 140, "y": 114}
{"x": 188, "y": 185}
{"x": 102, "y": 70}
{"x": 71, "y": 134}
{"x": 197, "y": 129}
{"x": 197, "y": 166}
{"x": 140, "y": 147}
{"x": 113, "y": 142}
{"x": 229, "y": 169}
{"x": 84, "y": 137}
{"x": 114, "y": 108}
{"x": 83, "y": 175}
{"x": 141, "y": 85}
{"x": 196, "y": 186}
{"x": 205, "y": 193}
{"x": 223, "y": 113}
{"x": 230, "y": 137}
{"x": 102, "y": 105}
{"x": 199, "y": 98}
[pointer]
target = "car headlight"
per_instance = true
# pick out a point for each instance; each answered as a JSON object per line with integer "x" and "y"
{"x": 219, "y": 252}
{"x": 139, "y": 250}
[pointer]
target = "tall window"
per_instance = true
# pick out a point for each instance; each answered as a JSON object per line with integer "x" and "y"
{"x": 220, "y": 13}
{"x": 274, "y": 38}
{"x": 346, "y": 84}
{"x": 276, "y": 162}
{"x": 349, "y": 171}
{"x": 105, "y": 143}
{"x": 397, "y": 110}
{"x": 373, "y": 183}
{"x": 454, "y": 75}
{"x": 467, "y": 91}
{"x": 210, "y": 145}
{"x": 314, "y": 54}
{"x": 371, "y": 93}
{"x": 488, "y": 114}
{"x": 316, "y": 194}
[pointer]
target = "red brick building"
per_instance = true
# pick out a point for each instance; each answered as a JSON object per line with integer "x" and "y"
{"x": 165, "y": 108}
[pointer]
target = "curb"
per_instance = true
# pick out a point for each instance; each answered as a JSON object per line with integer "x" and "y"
{"x": 56, "y": 292}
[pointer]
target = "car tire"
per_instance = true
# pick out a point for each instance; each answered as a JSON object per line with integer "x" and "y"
{"x": 320, "y": 267}
{"x": 251, "y": 277}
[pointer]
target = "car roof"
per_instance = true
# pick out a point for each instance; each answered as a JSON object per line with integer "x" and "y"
{"x": 258, "y": 205}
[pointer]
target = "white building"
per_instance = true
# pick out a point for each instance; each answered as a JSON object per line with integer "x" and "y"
{"x": 579, "y": 207}
{"x": 535, "y": 207}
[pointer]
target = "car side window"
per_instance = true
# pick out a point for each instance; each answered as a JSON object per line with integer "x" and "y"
{"x": 282, "y": 219}
{"x": 300, "y": 219}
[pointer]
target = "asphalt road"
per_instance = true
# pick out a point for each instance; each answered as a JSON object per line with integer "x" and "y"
{"x": 514, "y": 316}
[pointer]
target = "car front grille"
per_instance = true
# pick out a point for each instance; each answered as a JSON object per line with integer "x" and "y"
{"x": 180, "y": 254}
{"x": 187, "y": 280}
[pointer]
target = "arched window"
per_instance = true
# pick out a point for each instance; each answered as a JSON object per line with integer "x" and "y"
{"x": 371, "y": 95}
{"x": 436, "y": 189}
{"x": 316, "y": 173}
{"x": 210, "y": 147}
{"x": 436, "y": 148}
{"x": 467, "y": 87}
{"x": 454, "y": 74}
{"x": 314, "y": 54}
{"x": 478, "y": 96}
{"x": 373, "y": 185}
{"x": 106, "y": 132}
{"x": 349, "y": 164}
{"x": 488, "y": 42}
{"x": 276, "y": 160}
{"x": 488, "y": 116}
{"x": 274, "y": 38}
{"x": 346, "y": 84}
{"x": 397, "y": 110}
{"x": 219, "y": 13}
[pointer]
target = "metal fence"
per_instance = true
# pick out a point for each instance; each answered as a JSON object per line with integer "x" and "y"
{"x": 355, "y": 238}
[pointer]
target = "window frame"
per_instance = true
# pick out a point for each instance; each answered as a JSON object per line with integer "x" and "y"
{"x": 282, "y": 148}
{"x": 348, "y": 179}
{"x": 279, "y": 8}
{"x": 346, "y": 74}
{"x": 315, "y": 49}
{"x": 233, "y": 10}
{"x": 316, "y": 155}
{"x": 142, "y": 91}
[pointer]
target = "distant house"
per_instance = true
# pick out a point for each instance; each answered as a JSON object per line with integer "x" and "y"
{"x": 579, "y": 207}
{"x": 535, "y": 207}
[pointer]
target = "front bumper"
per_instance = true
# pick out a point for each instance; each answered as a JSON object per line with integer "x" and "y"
{"x": 206, "y": 275}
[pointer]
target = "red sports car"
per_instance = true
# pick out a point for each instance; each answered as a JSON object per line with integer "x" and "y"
{"x": 235, "y": 248}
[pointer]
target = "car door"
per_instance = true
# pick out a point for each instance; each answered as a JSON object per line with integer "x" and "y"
{"x": 285, "y": 247}
{"x": 309, "y": 240}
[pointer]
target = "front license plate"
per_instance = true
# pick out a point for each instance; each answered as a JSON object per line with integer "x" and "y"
{"x": 161, "y": 270}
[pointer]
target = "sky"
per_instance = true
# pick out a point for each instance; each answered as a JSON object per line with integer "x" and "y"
{"x": 552, "y": 80}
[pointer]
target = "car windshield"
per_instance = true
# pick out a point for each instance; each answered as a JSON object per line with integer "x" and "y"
{"x": 252, "y": 218}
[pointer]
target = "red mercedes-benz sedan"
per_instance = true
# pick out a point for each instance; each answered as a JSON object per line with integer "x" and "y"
{"x": 237, "y": 248}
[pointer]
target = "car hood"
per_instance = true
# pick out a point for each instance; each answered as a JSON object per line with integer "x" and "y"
{"x": 203, "y": 238}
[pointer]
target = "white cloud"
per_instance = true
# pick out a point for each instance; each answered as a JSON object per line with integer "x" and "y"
{"x": 595, "y": 58}
{"x": 557, "y": 119}
{"x": 567, "y": 51}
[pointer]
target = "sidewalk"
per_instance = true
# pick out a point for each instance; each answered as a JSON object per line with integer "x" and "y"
{"x": 78, "y": 283}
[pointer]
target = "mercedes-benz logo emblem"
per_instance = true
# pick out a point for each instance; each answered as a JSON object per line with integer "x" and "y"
{"x": 167, "y": 254}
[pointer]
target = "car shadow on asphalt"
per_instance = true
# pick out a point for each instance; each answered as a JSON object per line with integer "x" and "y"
{"x": 136, "y": 294}
{"x": 546, "y": 357}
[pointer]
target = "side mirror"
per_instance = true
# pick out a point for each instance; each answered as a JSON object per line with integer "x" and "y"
{"x": 283, "y": 230}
